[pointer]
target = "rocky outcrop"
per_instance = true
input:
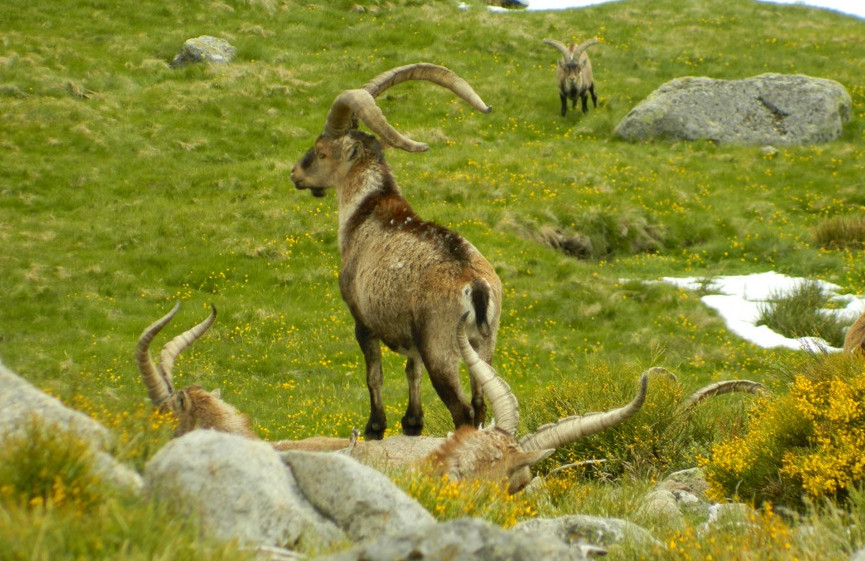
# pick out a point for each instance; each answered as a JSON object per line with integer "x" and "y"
{"x": 21, "y": 405}
{"x": 467, "y": 539}
{"x": 237, "y": 488}
{"x": 244, "y": 490}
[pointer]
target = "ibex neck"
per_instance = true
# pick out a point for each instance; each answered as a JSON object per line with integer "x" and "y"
{"x": 355, "y": 195}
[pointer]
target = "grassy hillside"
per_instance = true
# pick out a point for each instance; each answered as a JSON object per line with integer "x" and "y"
{"x": 126, "y": 185}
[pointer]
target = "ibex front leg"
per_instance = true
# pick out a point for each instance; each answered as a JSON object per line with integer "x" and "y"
{"x": 371, "y": 348}
{"x": 412, "y": 422}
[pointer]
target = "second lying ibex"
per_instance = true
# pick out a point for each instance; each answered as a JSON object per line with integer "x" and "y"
{"x": 406, "y": 281}
{"x": 574, "y": 74}
{"x": 193, "y": 406}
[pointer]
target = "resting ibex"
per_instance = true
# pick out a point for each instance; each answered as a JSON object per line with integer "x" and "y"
{"x": 193, "y": 407}
{"x": 406, "y": 281}
{"x": 492, "y": 453}
{"x": 574, "y": 74}
{"x": 855, "y": 340}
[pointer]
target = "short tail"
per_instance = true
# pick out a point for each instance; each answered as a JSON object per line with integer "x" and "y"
{"x": 481, "y": 304}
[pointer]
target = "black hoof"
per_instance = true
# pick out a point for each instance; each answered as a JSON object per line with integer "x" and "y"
{"x": 412, "y": 425}
{"x": 374, "y": 431}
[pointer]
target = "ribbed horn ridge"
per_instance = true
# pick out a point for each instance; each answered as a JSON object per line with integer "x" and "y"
{"x": 571, "y": 429}
{"x": 173, "y": 348}
{"x": 720, "y": 388}
{"x": 560, "y": 47}
{"x": 156, "y": 380}
{"x": 360, "y": 103}
{"x": 425, "y": 71}
{"x": 502, "y": 400}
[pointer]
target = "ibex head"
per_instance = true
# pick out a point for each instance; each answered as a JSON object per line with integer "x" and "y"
{"x": 341, "y": 146}
{"x": 495, "y": 452}
{"x": 194, "y": 407}
{"x": 573, "y": 59}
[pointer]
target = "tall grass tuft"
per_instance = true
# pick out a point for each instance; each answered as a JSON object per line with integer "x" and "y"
{"x": 801, "y": 313}
{"x": 841, "y": 232}
{"x": 45, "y": 466}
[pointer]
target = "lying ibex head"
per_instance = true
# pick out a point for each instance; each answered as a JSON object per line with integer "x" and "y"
{"x": 336, "y": 150}
{"x": 495, "y": 452}
{"x": 194, "y": 407}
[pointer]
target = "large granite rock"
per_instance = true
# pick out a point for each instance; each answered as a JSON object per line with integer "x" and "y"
{"x": 238, "y": 489}
{"x": 769, "y": 109}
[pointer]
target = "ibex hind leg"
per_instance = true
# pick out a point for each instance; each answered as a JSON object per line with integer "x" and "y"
{"x": 594, "y": 97}
{"x": 412, "y": 421}
{"x": 371, "y": 348}
{"x": 446, "y": 381}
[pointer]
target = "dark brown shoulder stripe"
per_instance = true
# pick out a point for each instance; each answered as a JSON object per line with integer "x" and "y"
{"x": 392, "y": 212}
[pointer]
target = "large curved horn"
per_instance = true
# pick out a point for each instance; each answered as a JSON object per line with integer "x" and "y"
{"x": 361, "y": 103}
{"x": 574, "y": 428}
{"x": 502, "y": 400}
{"x": 158, "y": 383}
{"x": 434, "y": 73}
{"x": 173, "y": 348}
{"x": 560, "y": 47}
{"x": 720, "y": 388}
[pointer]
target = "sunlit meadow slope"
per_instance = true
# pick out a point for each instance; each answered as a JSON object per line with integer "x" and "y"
{"x": 126, "y": 185}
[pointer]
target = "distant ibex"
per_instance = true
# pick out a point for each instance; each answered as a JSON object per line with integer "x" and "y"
{"x": 574, "y": 74}
{"x": 406, "y": 281}
{"x": 194, "y": 407}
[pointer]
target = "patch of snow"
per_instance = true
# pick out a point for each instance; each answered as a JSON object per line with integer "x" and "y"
{"x": 739, "y": 299}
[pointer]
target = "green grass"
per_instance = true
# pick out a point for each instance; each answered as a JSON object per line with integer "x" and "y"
{"x": 125, "y": 185}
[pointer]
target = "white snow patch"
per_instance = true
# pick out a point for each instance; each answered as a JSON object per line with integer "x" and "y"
{"x": 739, "y": 299}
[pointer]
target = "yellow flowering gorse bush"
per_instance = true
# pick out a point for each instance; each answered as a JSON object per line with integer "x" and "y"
{"x": 808, "y": 441}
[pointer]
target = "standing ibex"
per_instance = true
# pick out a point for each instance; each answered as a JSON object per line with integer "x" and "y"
{"x": 194, "y": 407}
{"x": 574, "y": 74}
{"x": 406, "y": 281}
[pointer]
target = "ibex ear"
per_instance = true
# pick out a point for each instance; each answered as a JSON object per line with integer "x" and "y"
{"x": 352, "y": 150}
{"x": 530, "y": 458}
{"x": 217, "y": 393}
{"x": 182, "y": 400}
